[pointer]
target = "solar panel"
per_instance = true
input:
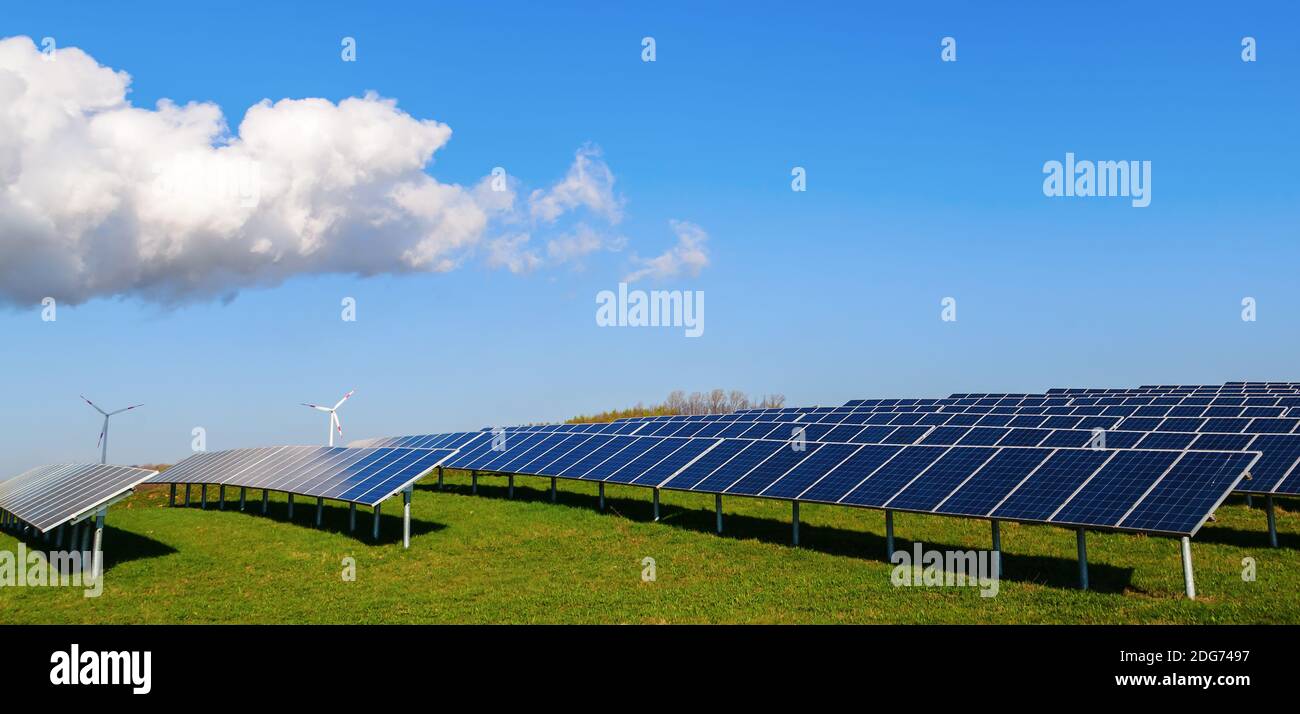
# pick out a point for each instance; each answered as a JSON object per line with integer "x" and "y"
{"x": 881, "y": 484}
{"x": 1278, "y": 472}
{"x": 978, "y": 495}
{"x": 1067, "y": 438}
{"x": 48, "y": 496}
{"x": 969, "y": 463}
{"x": 363, "y": 475}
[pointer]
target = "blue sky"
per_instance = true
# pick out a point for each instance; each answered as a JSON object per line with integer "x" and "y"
{"x": 924, "y": 181}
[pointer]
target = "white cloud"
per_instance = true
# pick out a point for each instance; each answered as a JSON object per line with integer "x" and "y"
{"x": 581, "y": 241}
{"x": 589, "y": 183}
{"x": 512, "y": 253}
{"x": 101, "y": 198}
{"x": 689, "y": 256}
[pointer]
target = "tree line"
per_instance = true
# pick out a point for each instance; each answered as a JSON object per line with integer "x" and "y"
{"x": 717, "y": 401}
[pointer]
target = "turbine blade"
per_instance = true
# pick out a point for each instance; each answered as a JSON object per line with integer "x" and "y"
{"x": 317, "y": 407}
{"x": 337, "y": 424}
{"x": 100, "y": 440}
{"x": 344, "y": 399}
{"x": 92, "y": 404}
{"x": 119, "y": 411}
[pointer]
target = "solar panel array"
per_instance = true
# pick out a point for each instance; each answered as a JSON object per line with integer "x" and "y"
{"x": 1278, "y": 471}
{"x": 1161, "y": 491}
{"x": 1238, "y": 425}
{"x": 366, "y": 476}
{"x": 1169, "y": 454}
{"x": 48, "y": 496}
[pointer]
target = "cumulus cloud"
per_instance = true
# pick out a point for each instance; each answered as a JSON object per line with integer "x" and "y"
{"x": 100, "y": 198}
{"x": 513, "y": 253}
{"x": 589, "y": 184}
{"x": 581, "y": 241}
{"x": 689, "y": 256}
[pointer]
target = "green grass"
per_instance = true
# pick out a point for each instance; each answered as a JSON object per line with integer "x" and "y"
{"x": 488, "y": 559}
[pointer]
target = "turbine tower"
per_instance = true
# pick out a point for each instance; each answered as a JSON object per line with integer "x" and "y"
{"x": 334, "y": 416}
{"x": 103, "y": 434}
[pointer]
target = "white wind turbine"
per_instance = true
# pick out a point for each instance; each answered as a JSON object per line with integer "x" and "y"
{"x": 103, "y": 435}
{"x": 333, "y": 412}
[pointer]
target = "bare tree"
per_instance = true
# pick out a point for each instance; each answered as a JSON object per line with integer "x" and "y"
{"x": 676, "y": 402}
{"x": 772, "y": 401}
{"x": 695, "y": 404}
{"x": 717, "y": 401}
{"x": 737, "y": 400}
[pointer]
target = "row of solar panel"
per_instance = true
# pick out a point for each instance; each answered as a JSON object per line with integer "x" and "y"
{"x": 423, "y": 441}
{"x": 359, "y": 475}
{"x": 1223, "y": 419}
{"x": 1086, "y": 408}
{"x": 1276, "y": 472}
{"x": 1073, "y": 393}
{"x": 1154, "y": 491}
{"x": 1278, "y": 406}
{"x": 1216, "y": 425}
{"x": 1237, "y": 399}
{"x": 745, "y": 427}
{"x": 1230, "y": 387}
{"x": 48, "y": 496}
{"x": 1280, "y": 450}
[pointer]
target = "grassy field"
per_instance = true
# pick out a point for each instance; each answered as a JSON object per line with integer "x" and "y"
{"x": 486, "y": 559}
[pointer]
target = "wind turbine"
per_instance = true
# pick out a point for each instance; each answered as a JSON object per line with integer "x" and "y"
{"x": 103, "y": 435}
{"x": 333, "y": 412}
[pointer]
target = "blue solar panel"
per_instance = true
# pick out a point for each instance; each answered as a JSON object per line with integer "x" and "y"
{"x": 628, "y": 471}
{"x": 564, "y": 462}
{"x": 942, "y": 478}
{"x": 866, "y": 461}
{"x": 817, "y": 465}
{"x": 1221, "y": 442}
{"x": 1191, "y": 489}
{"x": 907, "y": 434}
{"x": 537, "y": 449}
{"x": 662, "y": 470}
{"x": 1161, "y": 440}
{"x": 1115, "y": 487}
{"x": 1269, "y": 474}
{"x": 984, "y": 436}
{"x": 843, "y": 433}
{"x": 1024, "y": 437}
{"x": 776, "y": 466}
{"x": 873, "y": 434}
{"x": 891, "y": 477}
{"x": 944, "y": 436}
{"x": 361, "y": 475}
{"x": 747, "y": 459}
{"x": 594, "y": 457}
{"x": 608, "y": 467}
{"x": 1051, "y": 484}
{"x": 48, "y": 496}
{"x": 693, "y": 474}
{"x": 555, "y": 447}
{"x": 1067, "y": 439}
{"x": 993, "y": 482}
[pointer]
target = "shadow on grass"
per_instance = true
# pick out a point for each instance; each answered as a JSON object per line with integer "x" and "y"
{"x": 119, "y": 546}
{"x": 335, "y": 515}
{"x": 1214, "y": 532}
{"x": 1039, "y": 569}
